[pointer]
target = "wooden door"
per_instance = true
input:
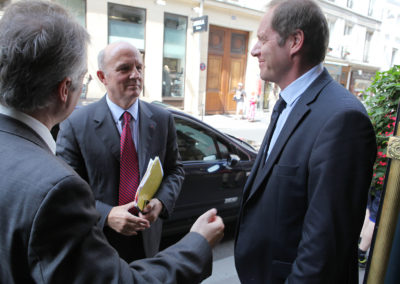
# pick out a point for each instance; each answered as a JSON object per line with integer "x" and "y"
{"x": 227, "y": 55}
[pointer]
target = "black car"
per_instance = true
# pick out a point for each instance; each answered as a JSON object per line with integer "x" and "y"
{"x": 216, "y": 168}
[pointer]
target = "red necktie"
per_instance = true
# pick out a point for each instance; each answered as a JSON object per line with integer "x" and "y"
{"x": 129, "y": 165}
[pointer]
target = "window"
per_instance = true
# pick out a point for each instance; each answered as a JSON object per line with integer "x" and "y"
{"x": 367, "y": 44}
{"x": 197, "y": 143}
{"x": 348, "y": 29}
{"x": 394, "y": 55}
{"x": 173, "y": 81}
{"x": 349, "y": 4}
{"x": 126, "y": 23}
{"x": 194, "y": 143}
{"x": 238, "y": 43}
{"x": 76, "y": 8}
{"x": 331, "y": 25}
{"x": 371, "y": 7}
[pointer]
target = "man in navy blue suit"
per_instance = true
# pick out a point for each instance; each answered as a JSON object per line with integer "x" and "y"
{"x": 303, "y": 204}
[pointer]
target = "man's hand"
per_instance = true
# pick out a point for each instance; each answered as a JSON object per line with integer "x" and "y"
{"x": 210, "y": 226}
{"x": 123, "y": 222}
{"x": 152, "y": 210}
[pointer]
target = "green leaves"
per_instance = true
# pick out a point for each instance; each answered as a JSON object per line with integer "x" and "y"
{"x": 381, "y": 100}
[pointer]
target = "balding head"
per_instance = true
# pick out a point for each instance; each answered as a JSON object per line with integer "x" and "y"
{"x": 110, "y": 50}
{"x": 121, "y": 72}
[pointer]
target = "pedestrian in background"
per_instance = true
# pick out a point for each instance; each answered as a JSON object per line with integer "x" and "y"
{"x": 239, "y": 97}
{"x": 252, "y": 107}
{"x": 368, "y": 227}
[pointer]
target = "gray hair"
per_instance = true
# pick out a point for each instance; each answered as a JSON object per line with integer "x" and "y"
{"x": 100, "y": 59}
{"x": 40, "y": 45}
{"x": 306, "y": 15}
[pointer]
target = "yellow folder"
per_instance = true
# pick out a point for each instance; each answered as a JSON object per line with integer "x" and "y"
{"x": 149, "y": 184}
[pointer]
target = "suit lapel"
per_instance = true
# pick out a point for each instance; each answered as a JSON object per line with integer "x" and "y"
{"x": 293, "y": 121}
{"x": 256, "y": 166}
{"x": 291, "y": 124}
{"x": 147, "y": 128}
{"x": 106, "y": 129}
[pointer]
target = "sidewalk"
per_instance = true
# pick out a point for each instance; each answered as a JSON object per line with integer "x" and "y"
{"x": 251, "y": 132}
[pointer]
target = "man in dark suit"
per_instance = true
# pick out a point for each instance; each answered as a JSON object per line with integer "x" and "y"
{"x": 304, "y": 201}
{"x": 49, "y": 231}
{"x": 89, "y": 141}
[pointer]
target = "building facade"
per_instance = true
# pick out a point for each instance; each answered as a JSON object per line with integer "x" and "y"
{"x": 195, "y": 52}
{"x": 193, "y": 70}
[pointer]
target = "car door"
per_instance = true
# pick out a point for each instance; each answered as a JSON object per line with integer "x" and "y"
{"x": 214, "y": 174}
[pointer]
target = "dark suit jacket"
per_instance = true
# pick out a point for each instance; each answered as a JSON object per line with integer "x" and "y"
{"x": 89, "y": 142}
{"x": 302, "y": 214}
{"x": 49, "y": 231}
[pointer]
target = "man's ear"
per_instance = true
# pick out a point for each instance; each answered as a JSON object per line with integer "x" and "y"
{"x": 101, "y": 76}
{"x": 63, "y": 89}
{"x": 296, "y": 41}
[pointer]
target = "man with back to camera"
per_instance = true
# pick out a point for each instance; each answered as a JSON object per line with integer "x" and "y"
{"x": 303, "y": 203}
{"x": 49, "y": 231}
{"x": 89, "y": 141}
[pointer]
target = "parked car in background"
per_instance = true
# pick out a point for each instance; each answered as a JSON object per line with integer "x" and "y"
{"x": 216, "y": 168}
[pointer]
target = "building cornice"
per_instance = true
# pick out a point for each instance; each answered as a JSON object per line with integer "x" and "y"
{"x": 353, "y": 64}
{"x": 229, "y": 6}
{"x": 333, "y": 9}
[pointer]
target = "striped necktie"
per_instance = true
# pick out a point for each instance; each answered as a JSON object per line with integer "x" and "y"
{"x": 129, "y": 165}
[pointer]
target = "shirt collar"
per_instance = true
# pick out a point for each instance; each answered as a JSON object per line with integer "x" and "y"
{"x": 293, "y": 92}
{"x": 33, "y": 123}
{"x": 117, "y": 111}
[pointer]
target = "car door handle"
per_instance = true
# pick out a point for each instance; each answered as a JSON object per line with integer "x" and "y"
{"x": 213, "y": 168}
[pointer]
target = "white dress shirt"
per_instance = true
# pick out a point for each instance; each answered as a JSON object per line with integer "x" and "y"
{"x": 33, "y": 123}
{"x": 291, "y": 94}
{"x": 117, "y": 114}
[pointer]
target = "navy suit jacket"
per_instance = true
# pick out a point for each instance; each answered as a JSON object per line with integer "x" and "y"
{"x": 89, "y": 142}
{"x": 302, "y": 212}
{"x": 49, "y": 229}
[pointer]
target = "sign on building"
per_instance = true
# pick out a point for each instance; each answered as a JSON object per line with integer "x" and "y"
{"x": 200, "y": 24}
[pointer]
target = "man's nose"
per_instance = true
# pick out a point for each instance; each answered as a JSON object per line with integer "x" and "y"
{"x": 135, "y": 73}
{"x": 255, "y": 50}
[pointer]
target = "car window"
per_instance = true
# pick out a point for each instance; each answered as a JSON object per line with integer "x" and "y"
{"x": 223, "y": 149}
{"x": 194, "y": 142}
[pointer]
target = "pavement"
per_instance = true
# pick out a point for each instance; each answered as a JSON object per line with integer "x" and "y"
{"x": 251, "y": 131}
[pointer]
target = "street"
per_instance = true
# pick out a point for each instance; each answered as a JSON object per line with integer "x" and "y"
{"x": 223, "y": 263}
{"x": 252, "y": 132}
